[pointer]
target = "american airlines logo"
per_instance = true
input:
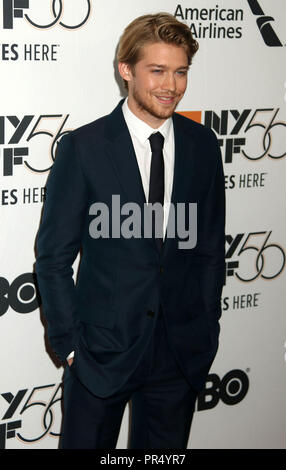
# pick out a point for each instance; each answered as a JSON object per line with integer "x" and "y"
{"x": 264, "y": 25}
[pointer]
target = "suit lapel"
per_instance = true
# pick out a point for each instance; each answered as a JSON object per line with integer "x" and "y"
{"x": 184, "y": 161}
{"x": 123, "y": 158}
{"x": 184, "y": 170}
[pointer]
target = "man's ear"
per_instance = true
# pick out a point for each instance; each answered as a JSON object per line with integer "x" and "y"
{"x": 125, "y": 71}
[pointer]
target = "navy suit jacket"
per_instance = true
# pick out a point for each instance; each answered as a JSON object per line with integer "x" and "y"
{"x": 108, "y": 313}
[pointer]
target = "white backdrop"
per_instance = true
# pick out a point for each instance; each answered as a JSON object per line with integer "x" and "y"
{"x": 57, "y": 73}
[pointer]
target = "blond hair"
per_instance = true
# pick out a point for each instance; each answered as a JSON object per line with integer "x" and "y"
{"x": 148, "y": 29}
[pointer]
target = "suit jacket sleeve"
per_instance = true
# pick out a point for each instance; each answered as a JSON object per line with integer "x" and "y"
{"x": 58, "y": 244}
{"x": 212, "y": 239}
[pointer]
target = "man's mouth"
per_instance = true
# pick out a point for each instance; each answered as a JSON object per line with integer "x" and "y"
{"x": 165, "y": 99}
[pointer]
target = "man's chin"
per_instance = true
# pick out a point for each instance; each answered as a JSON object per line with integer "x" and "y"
{"x": 162, "y": 113}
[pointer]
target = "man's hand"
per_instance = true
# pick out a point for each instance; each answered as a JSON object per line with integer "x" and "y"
{"x": 70, "y": 358}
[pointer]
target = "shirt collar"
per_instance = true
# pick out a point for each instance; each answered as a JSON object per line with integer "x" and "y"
{"x": 142, "y": 130}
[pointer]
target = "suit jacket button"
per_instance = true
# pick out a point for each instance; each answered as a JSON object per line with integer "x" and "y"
{"x": 150, "y": 313}
{"x": 161, "y": 269}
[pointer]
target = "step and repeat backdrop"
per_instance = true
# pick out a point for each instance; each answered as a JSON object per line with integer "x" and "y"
{"x": 58, "y": 72}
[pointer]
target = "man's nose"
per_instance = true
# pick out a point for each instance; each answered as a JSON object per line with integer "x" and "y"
{"x": 169, "y": 82}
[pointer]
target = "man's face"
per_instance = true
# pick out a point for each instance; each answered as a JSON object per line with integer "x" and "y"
{"x": 157, "y": 82}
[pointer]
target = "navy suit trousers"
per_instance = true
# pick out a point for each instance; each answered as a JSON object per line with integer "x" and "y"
{"x": 162, "y": 404}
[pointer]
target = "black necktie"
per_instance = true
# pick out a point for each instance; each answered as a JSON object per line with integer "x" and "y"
{"x": 156, "y": 187}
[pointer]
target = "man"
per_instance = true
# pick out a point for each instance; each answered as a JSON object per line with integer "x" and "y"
{"x": 141, "y": 322}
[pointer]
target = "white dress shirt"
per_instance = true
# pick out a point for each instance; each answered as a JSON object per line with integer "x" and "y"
{"x": 140, "y": 133}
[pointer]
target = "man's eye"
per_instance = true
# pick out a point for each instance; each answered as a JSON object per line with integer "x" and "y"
{"x": 156, "y": 71}
{"x": 182, "y": 72}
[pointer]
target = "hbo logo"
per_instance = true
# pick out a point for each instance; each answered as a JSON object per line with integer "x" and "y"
{"x": 22, "y": 295}
{"x": 231, "y": 390}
